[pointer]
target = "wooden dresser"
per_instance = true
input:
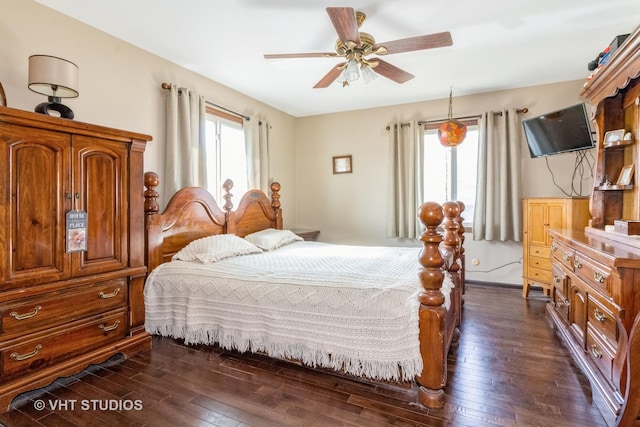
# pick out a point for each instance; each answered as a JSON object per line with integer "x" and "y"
{"x": 538, "y": 216}
{"x": 63, "y": 307}
{"x": 596, "y": 272}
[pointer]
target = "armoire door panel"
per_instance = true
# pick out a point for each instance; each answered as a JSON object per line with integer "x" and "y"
{"x": 556, "y": 218}
{"x": 538, "y": 223}
{"x": 100, "y": 177}
{"x": 35, "y": 205}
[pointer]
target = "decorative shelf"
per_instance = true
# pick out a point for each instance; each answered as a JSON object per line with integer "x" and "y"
{"x": 614, "y": 187}
{"x": 618, "y": 144}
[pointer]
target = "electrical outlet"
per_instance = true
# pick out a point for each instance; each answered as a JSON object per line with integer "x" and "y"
{"x": 475, "y": 261}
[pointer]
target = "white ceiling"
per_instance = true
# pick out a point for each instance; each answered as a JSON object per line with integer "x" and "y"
{"x": 497, "y": 44}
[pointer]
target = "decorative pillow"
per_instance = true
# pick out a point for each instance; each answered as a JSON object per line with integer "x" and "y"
{"x": 214, "y": 248}
{"x": 271, "y": 238}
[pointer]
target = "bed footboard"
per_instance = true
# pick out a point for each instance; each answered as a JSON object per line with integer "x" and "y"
{"x": 438, "y": 325}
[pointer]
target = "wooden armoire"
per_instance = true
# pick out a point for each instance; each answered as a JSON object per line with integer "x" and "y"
{"x": 64, "y": 306}
{"x": 540, "y": 215}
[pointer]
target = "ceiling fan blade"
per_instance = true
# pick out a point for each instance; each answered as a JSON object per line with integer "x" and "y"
{"x": 391, "y": 71}
{"x": 410, "y": 44}
{"x": 330, "y": 77}
{"x": 344, "y": 21}
{"x": 300, "y": 55}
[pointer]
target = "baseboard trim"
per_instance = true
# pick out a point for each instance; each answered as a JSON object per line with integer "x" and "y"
{"x": 494, "y": 284}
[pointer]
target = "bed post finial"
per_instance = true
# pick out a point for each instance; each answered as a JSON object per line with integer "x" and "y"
{"x": 431, "y": 274}
{"x": 451, "y": 238}
{"x": 275, "y": 203}
{"x": 227, "y": 185}
{"x": 275, "y": 196}
{"x": 151, "y": 181}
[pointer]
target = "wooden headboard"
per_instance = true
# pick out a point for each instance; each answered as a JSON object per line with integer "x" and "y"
{"x": 193, "y": 213}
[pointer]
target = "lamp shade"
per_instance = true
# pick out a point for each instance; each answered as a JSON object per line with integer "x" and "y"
{"x": 53, "y": 76}
{"x": 452, "y": 132}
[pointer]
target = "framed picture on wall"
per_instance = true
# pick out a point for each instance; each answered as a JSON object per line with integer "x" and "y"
{"x": 342, "y": 164}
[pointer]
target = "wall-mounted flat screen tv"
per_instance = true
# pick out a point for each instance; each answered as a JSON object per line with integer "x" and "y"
{"x": 558, "y": 132}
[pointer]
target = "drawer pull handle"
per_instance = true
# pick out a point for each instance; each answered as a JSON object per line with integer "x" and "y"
{"x": 566, "y": 256}
{"x": 107, "y": 296}
{"x": 105, "y": 328}
{"x": 556, "y": 278}
{"x": 18, "y": 357}
{"x": 599, "y": 316}
{"x": 598, "y": 277}
{"x": 554, "y": 248}
{"x": 26, "y": 315}
{"x": 596, "y": 353}
{"x": 577, "y": 264}
{"x": 559, "y": 304}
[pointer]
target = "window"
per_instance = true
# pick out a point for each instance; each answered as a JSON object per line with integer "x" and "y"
{"x": 451, "y": 173}
{"x": 226, "y": 154}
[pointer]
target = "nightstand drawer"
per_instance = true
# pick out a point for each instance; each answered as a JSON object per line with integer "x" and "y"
{"x": 46, "y": 349}
{"x": 32, "y": 314}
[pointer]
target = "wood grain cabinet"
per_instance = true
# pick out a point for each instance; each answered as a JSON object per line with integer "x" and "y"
{"x": 62, "y": 310}
{"x": 539, "y": 216}
{"x": 597, "y": 285}
{"x": 597, "y": 291}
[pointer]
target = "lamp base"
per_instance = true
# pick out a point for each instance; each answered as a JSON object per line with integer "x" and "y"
{"x": 54, "y": 105}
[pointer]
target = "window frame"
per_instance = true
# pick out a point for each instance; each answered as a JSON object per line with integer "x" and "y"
{"x": 451, "y": 192}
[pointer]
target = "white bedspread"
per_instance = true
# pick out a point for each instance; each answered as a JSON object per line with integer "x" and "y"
{"x": 341, "y": 307}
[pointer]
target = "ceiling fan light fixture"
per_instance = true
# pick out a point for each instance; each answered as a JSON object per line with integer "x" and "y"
{"x": 351, "y": 71}
{"x": 368, "y": 75}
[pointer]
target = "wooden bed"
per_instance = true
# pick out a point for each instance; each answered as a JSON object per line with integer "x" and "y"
{"x": 192, "y": 213}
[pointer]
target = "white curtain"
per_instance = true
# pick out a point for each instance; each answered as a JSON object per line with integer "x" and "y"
{"x": 498, "y": 209}
{"x": 405, "y": 180}
{"x": 256, "y": 137}
{"x": 185, "y": 153}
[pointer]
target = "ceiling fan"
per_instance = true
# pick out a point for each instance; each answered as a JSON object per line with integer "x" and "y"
{"x": 356, "y": 47}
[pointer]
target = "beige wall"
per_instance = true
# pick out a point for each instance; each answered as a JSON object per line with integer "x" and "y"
{"x": 120, "y": 84}
{"x": 352, "y": 207}
{"x": 120, "y": 88}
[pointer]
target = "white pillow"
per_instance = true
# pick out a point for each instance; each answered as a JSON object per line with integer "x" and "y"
{"x": 271, "y": 238}
{"x": 214, "y": 248}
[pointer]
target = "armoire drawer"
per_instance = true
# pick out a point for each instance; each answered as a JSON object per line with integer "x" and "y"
{"x": 539, "y": 274}
{"x": 27, "y": 315}
{"x": 539, "y": 262}
{"x": 44, "y": 350}
{"x": 540, "y": 251}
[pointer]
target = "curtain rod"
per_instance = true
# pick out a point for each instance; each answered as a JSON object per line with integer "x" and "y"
{"x": 477, "y": 116}
{"x": 167, "y": 86}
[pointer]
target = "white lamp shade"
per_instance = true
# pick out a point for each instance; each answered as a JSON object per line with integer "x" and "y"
{"x": 53, "y": 76}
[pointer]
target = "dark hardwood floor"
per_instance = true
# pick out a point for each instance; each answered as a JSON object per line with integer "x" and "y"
{"x": 508, "y": 369}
